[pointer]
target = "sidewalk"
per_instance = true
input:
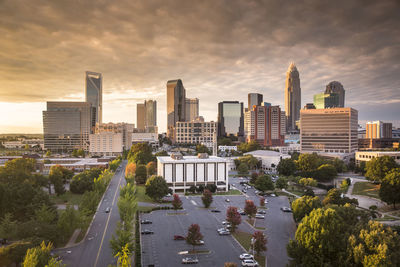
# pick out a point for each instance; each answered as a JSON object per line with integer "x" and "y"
{"x": 74, "y": 236}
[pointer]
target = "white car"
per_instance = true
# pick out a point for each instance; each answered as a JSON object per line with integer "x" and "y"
{"x": 225, "y": 232}
{"x": 251, "y": 263}
{"x": 265, "y": 201}
{"x": 189, "y": 261}
{"x": 260, "y": 216}
{"x": 246, "y": 256}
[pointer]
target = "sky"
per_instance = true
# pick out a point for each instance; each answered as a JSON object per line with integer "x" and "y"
{"x": 222, "y": 50}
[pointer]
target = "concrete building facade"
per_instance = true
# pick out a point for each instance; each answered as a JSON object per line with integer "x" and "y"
{"x": 191, "y": 109}
{"x": 378, "y": 129}
{"x": 196, "y": 132}
{"x": 329, "y": 130}
{"x": 182, "y": 172}
{"x": 368, "y": 155}
{"x": 106, "y": 144}
{"x": 126, "y": 129}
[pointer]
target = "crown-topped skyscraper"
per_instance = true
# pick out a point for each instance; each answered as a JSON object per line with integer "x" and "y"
{"x": 292, "y": 98}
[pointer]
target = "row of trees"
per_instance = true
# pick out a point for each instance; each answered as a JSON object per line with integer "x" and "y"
{"x": 311, "y": 165}
{"x": 140, "y": 172}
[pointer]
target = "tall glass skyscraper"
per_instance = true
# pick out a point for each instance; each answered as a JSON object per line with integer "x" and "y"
{"x": 94, "y": 95}
{"x": 230, "y": 118}
{"x": 292, "y": 97}
{"x": 324, "y": 100}
{"x": 176, "y": 104}
{"x": 150, "y": 107}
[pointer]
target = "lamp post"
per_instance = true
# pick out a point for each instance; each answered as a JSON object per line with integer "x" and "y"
{"x": 253, "y": 240}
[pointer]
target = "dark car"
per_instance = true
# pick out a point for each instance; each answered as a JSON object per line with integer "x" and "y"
{"x": 179, "y": 237}
{"x": 147, "y": 232}
{"x": 145, "y": 222}
{"x": 215, "y": 210}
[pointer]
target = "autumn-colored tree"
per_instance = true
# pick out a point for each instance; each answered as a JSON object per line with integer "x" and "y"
{"x": 303, "y": 206}
{"x": 151, "y": 168}
{"x": 308, "y": 182}
{"x": 124, "y": 257}
{"x": 176, "y": 202}
{"x": 230, "y": 264}
{"x": 250, "y": 208}
{"x": 262, "y": 201}
{"x": 259, "y": 242}
{"x": 207, "y": 198}
{"x": 194, "y": 235}
{"x": 233, "y": 217}
{"x": 130, "y": 170}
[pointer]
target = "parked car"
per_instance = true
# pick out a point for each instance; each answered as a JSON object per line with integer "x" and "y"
{"x": 145, "y": 222}
{"x": 227, "y": 200}
{"x": 273, "y": 195}
{"x": 241, "y": 212}
{"x": 215, "y": 210}
{"x": 200, "y": 242}
{"x": 251, "y": 263}
{"x": 286, "y": 209}
{"x": 222, "y": 229}
{"x": 256, "y": 192}
{"x": 190, "y": 261}
{"x": 246, "y": 256}
{"x": 262, "y": 212}
{"x": 147, "y": 232}
{"x": 224, "y": 232}
{"x": 260, "y": 216}
{"x": 179, "y": 237}
{"x": 265, "y": 201}
{"x": 244, "y": 191}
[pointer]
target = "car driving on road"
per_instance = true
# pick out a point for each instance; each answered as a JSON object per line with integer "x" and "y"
{"x": 189, "y": 260}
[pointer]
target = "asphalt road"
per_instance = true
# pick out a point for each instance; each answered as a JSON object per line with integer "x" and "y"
{"x": 95, "y": 249}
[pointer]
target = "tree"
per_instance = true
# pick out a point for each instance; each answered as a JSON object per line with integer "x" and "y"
{"x": 259, "y": 242}
{"x": 115, "y": 164}
{"x": 264, "y": 183}
{"x": 282, "y": 183}
{"x": 377, "y": 168}
{"x": 56, "y": 178}
{"x": 156, "y": 187}
{"x": 122, "y": 240}
{"x": 192, "y": 189}
{"x": 303, "y": 206}
{"x": 390, "y": 188}
{"x": 194, "y": 235}
{"x": 309, "y": 162}
{"x": 250, "y": 146}
{"x": 317, "y": 240}
{"x": 286, "y": 167}
{"x": 243, "y": 169}
{"x": 68, "y": 222}
{"x": 48, "y": 154}
{"x": 334, "y": 197}
{"x": 202, "y": 149}
{"x": 326, "y": 172}
{"x": 124, "y": 257}
{"x": 339, "y": 165}
{"x": 211, "y": 187}
{"x": 308, "y": 182}
{"x": 140, "y": 153}
{"x": 253, "y": 177}
{"x": 176, "y": 202}
{"x": 250, "y": 208}
{"x": 224, "y": 141}
{"x": 151, "y": 168}
{"x": 130, "y": 171}
{"x": 230, "y": 264}
{"x": 207, "y": 198}
{"x": 375, "y": 245}
{"x": 161, "y": 153}
{"x": 38, "y": 256}
{"x": 141, "y": 174}
{"x": 262, "y": 201}
{"x": 233, "y": 217}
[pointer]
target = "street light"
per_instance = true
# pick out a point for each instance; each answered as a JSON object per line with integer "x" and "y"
{"x": 253, "y": 240}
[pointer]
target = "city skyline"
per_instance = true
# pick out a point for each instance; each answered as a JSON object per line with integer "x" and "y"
{"x": 243, "y": 48}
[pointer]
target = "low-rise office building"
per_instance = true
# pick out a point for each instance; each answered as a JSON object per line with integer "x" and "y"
{"x": 75, "y": 164}
{"x": 368, "y": 155}
{"x": 269, "y": 159}
{"x": 182, "y": 172}
{"x": 106, "y": 144}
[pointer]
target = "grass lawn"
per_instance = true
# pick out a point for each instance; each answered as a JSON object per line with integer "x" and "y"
{"x": 230, "y": 192}
{"x": 366, "y": 189}
{"x": 145, "y": 209}
{"x": 297, "y": 190}
{"x": 141, "y": 194}
{"x": 386, "y": 218}
{"x": 67, "y": 198}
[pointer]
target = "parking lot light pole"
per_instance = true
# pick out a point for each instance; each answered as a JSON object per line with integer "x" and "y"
{"x": 252, "y": 243}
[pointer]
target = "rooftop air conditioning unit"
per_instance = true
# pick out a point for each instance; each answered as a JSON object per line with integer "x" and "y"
{"x": 202, "y": 156}
{"x": 176, "y": 156}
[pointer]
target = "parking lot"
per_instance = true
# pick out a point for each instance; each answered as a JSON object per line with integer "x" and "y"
{"x": 160, "y": 249}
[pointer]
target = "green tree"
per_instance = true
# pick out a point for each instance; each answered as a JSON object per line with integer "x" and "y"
{"x": 243, "y": 169}
{"x": 303, "y": 206}
{"x": 46, "y": 215}
{"x": 224, "y": 141}
{"x": 151, "y": 168}
{"x": 308, "y": 162}
{"x": 259, "y": 242}
{"x": 233, "y": 217}
{"x": 156, "y": 187}
{"x": 68, "y": 222}
{"x": 141, "y": 174}
{"x": 248, "y": 147}
{"x": 194, "y": 235}
{"x": 375, "y": 245}
{"x": 161, "y": 153}
{"x": 286, "y": 167}
{"x": 122, "y": 238}
{"x": 56, "y": 178}
{"x": 326, "y": 172}
{"x": 207, "y": 198}
{"x": 377, "y": 168}
{"x": 48, "y": 154}
{"x": 140, "y": 153}
{"x": 281, "y": 183}
{"x": 334, "y": 198}
{"x": 55, "y": 263}
{"x": 202, "y": 149}
{"x": 389, "y": 191}
{"x": 317, "y": 240}
{"x": 8, "y": 227}
{"x": 115, "y": 164}
{"x": 308, "y": 182}
{"x": 38, "y": 256}
{"x": 339, "y": 165}
{"x": 264, "y": 183}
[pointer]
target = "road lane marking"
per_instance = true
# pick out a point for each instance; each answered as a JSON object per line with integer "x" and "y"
{"x": 108, "y": 220}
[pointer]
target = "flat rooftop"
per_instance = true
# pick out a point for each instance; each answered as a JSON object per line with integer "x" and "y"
{"x": 188, "y": 159}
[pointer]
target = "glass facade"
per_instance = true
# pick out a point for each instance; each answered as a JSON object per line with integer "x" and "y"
{"x": 94, "y": 95}
{"x": 176, "y": 96}
{"x": 230, "y": 118}
{"x": 324, "y": 100}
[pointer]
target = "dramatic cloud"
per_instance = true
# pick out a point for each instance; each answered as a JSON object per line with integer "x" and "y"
{"x": 222, "y": 50}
